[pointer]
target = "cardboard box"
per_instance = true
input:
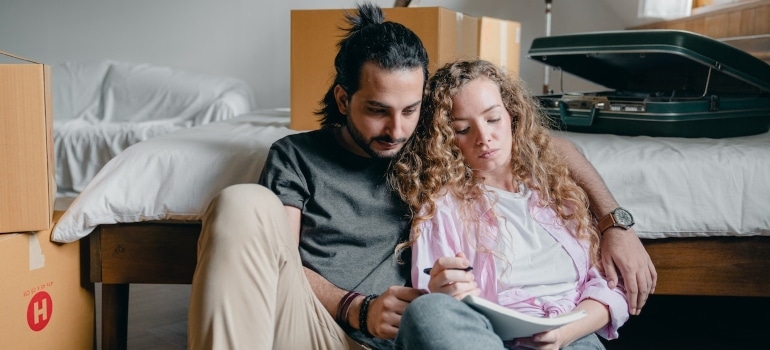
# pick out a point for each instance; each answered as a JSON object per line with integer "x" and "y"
{"x": 42, "y": 302}
{"x": 447, "y": 35}
{"x": 500, "y": 43}
{"x": 27, "y": 185}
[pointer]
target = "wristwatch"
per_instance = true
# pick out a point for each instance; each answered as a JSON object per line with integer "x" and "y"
{"x": 616, "y": 218}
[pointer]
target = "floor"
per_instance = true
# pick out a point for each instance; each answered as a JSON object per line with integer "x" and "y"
{"x": 675, "y": 322}
{"x": 157, "y": 316}
{"x": 158, "y": 321}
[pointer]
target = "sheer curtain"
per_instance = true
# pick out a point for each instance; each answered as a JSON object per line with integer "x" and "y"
{"x": 664, "y": 9}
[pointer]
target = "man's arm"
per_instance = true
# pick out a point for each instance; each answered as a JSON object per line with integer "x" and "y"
{"x": 620, "y": 249}
{"x": 601, "y": 200}
{"x": 385, "y": 311}
{"x": 329, "y": 294}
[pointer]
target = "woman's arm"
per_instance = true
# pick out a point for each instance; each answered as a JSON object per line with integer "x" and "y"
{"x": 597, "y": 316}
{"x": 439, "y": 247}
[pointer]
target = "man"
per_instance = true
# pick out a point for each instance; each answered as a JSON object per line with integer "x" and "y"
{"x": 328, "y": 195}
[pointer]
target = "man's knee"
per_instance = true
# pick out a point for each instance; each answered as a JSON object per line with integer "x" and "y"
{"x": 245, "y": 195}
{"x": 242, "y": 200}
{"x": 244, "y": 211}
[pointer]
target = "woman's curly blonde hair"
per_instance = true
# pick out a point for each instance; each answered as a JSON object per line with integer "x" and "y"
{"x": 431, "y": 164}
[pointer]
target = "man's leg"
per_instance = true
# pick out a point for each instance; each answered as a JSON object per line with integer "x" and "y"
{"x": 438, "y": 321}
{"x": 249, "y": 289}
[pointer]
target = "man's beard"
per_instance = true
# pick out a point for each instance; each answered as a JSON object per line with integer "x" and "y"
{"x": 365, "y": 145}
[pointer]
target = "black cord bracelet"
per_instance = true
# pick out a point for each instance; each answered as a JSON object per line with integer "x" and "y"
{"x": 362, "y": 326}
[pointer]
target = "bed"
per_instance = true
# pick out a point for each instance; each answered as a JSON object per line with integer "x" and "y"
{"x": 138, "y": 218}
{"x": 701, "y": 207}
{"x": 700, "y": 204}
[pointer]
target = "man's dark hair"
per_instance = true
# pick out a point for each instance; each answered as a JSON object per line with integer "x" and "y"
{"x": 390, "y": 45}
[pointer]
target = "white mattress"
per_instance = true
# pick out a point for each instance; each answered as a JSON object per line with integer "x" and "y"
{"x": 674, "y": 187}
{"x": 678, "y": 187}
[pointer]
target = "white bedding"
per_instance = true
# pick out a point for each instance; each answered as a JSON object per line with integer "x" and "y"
{"x": 678, "y": 187}
{"x": 102, "y": 107}
{"x": 173, "y": 176}
{"x": 674, "y": 187}
{"x": 82, "y": 148}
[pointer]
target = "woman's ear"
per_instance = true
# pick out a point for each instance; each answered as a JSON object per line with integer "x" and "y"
{"x": 341, "y": 96}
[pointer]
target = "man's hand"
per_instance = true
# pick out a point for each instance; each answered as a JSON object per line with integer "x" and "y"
{"x": 623, "y": 250}
{"x": 384, "y": 314}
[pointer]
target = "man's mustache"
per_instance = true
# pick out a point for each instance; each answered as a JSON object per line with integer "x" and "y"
{"x": 388, "y": 139}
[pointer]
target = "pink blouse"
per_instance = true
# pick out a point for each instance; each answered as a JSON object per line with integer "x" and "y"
{"x": 444, "y": 235}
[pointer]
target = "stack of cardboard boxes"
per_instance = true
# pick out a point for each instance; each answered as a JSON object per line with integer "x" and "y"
{"x": 43, "y": 304}
{"x": 447, "y": 36}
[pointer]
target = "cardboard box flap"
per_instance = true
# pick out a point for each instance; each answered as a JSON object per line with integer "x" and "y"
{"x": 17, "y": 57}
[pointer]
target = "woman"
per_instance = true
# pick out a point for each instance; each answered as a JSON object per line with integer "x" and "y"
{"x": 487, "y": 189}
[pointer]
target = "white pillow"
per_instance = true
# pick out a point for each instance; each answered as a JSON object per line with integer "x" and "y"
{"x": 173, "y": 176}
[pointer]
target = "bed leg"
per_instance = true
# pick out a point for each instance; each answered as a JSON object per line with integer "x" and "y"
{"x": 114, "y": 316}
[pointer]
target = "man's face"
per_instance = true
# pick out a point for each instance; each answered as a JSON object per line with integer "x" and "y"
{"x": 383, "y": 113}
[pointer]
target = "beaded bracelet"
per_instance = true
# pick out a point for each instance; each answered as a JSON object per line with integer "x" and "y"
{"x": 362, "y": 326}
{"x": 343, "y": 308}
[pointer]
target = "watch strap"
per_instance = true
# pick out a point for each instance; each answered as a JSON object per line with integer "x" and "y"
{"x": 606, "y": 222}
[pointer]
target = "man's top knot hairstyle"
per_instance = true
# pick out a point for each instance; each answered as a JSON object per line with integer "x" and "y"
{"x": 370, "y": 38}
{"x": 368, "y": 14}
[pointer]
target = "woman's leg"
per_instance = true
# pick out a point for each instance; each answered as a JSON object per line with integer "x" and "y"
{"x": 438, "y": 321}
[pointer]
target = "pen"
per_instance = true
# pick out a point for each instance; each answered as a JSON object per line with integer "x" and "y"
{"x": 469, "y": 268}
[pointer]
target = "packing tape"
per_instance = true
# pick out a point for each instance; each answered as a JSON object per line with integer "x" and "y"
{"x": 36, "y": 257}
{"x": 504, "y": 45}
{"x": 459, "y": 30}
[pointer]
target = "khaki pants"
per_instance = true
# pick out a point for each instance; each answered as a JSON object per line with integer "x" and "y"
{"x": 249, "y": 290}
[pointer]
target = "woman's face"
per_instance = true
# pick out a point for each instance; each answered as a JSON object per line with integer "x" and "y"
{"x": 482, "y": 128}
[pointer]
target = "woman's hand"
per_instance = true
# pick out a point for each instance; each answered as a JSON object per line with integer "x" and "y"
{"x": 597, "y": 316}
{"x": 550, "y": 340}
{"x": 449, "y": 276}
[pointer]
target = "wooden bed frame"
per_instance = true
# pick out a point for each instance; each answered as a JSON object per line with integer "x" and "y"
{"x": 166, "y": 253}
{"x": 121, "y": 254}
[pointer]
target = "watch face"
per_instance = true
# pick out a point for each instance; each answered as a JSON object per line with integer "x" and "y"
{"x": 623, "y": 217}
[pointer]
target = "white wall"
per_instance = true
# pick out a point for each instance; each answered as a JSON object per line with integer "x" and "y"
{"x": 242, "y": 38}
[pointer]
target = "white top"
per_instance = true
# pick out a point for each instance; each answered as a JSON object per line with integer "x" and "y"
{"x": 528, "y": 256}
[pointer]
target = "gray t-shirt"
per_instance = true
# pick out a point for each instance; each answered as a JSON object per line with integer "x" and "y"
{"x": 351, "y": 219}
